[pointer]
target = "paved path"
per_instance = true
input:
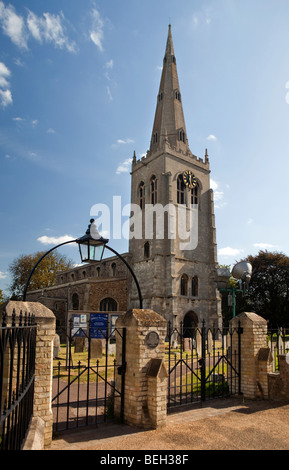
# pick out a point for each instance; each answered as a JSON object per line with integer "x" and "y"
{"x": 232, "y": 424}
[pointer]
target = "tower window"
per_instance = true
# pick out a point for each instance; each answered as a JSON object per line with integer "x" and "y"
{"x": 108, "y": 305}
{"x": 178, "y": 95}
{"x": 155, "y": 138}
{"x": 195, "y": 195}
{"x": 154, "y": 190}
{"x": 184, "y": 284}
{"x": 195, "y": 286}
{"x": 180, "y": 190}
{"x": 147, "y": 250}
{"x": 182, "y": 136}
{"x": 141, "y": 195}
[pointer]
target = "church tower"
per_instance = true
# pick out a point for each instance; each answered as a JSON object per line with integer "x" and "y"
{"x": 171, "y": 198}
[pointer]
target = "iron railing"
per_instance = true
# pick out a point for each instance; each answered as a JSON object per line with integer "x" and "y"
{"x": 203, "y": 363}
{"x": 17, "y": 372}
{"x": 84, "y": 387}
{"x": 278, "y": 343}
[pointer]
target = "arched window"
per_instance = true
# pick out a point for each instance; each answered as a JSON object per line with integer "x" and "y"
{"x": 113, "y": 269}
{"x": 146, "y": 250}
{"x": 195, "y": 195}
{"x": 180, "y": 190}
{"x": 75, "y": 302}
{"x": 184, "y": 284}
{"x": 154, "y": 188}
{"x": 108, "y": 305}
{"x": 195, "y": 286}
{"x": 141, "y": 195}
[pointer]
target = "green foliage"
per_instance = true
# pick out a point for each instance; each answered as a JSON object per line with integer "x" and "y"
{"x": 1, "y": 297}
{"x": 268, "y": 293}
{"x": 44, "y": 275}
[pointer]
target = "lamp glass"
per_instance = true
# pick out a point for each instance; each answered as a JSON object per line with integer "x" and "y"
{"x": 89, "y": 252}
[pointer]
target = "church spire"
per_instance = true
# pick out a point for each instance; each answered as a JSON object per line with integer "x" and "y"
{"x": 169, "y": 124}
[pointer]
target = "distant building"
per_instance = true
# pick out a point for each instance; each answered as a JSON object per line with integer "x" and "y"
{"x": 177, "y": 282}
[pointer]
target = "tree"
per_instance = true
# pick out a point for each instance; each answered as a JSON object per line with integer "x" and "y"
{"x": 44, "y": 275}
{"x": 1, "y": 297}
{"x": 268, "y": 293}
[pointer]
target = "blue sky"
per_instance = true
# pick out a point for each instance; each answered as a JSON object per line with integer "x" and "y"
{"x": 78, "y": 88}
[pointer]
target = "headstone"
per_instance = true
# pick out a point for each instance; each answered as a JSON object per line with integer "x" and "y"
{"x": 111, "y": 348}
{"x": 96, "y": 348}
{"x": 187, "y": 344}
{"x": 79, "y": 345}
{"x": 56, "y": 346}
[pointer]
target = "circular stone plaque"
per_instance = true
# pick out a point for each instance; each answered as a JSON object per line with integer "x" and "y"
{"x": 152, "y": 339}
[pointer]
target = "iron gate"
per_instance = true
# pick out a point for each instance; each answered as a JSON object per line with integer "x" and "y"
{"x": 84, "y": 387}
{"x": 203, "y": 363}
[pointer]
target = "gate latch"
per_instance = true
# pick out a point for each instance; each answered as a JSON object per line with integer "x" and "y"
{"x": 121, "y": 369}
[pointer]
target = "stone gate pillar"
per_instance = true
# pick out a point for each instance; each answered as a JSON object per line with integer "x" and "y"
{"x": 254, "y": 382}
{"x": 145, "y": 391}
{"x": 45, "y": 320}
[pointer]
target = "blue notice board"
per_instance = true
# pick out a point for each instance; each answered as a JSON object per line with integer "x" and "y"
{"x": 98, "y": 325}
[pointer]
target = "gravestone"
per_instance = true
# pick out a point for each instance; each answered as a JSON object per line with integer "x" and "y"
{"x": 79, "y": 345}
{"x": 56, "y": 346}
{"x": 96, "y": 348}
{"x": 187, "y": 344}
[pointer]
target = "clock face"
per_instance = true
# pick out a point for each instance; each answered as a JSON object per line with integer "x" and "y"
{"x": 189, "y": 179}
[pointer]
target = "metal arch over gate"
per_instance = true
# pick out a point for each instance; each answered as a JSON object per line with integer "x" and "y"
{"x": 203, "y": 363}
{"x": 84, "y": 386}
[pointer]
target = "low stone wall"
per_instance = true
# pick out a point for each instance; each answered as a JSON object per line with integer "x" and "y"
{"x": 279, "y": 381}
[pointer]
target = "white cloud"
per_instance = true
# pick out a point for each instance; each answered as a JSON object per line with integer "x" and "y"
{"x": 3, "y": 275}
{"x": 54, "y": 240}
{"x": 109, "y": 94}
{"x": 5, "y": 92}
{"x": 228, "y": 251}
{"x": 13, "y": 25}
{"x": 51, "y": 131}
{"x": 5, "y": 98}
{"x": 218, "y": 195}
{"x": 96, "y": 32}
{"x": 49, "y": 29}
{"x": 212, "y": 137}
{"x": 109, "y": 64}
{"x": 264, "y": 246}
{"x": 125, "y": 141}
{"x": 46, "y": 29}
{"x": 4, "y": 75}
{"x": 124, "y": 167}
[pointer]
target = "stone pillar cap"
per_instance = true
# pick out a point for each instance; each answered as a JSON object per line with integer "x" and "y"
{"x": 141, "y": 317}
{"x": 34, "y": 308}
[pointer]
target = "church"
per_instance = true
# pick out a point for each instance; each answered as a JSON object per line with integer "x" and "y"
{"x": 171, "y": 188}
